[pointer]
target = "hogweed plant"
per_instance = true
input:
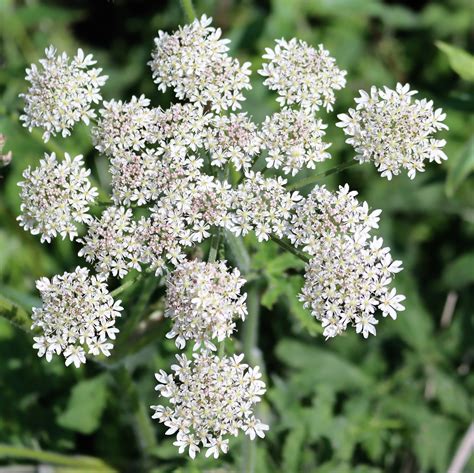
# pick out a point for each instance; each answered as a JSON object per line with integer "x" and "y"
{"x": 182, "y": 175}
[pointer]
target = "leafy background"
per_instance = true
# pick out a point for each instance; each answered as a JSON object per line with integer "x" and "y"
{"x": 398, "y": 402}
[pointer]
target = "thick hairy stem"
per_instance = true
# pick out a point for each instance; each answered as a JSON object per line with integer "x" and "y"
{"x": 188, "y": 9}
{"x": 286, "y": 246}
{"x": 141, "y": 420}
{"x": 250, "y": 341}
{"x": 15, "y": 314}
{"x": 316, "y": 177}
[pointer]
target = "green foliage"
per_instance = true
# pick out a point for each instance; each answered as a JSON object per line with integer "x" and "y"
{"x": 85, "y": 405}
{"x": 400, "y": 401}
{"x": 461, "y": 61}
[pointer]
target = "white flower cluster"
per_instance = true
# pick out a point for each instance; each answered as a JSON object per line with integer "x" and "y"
{"x": 55, "y": 197}
{"x": 125, "y": 126}
{"x": 194, "y": 62}
{"x": 233, "y": 138}
{"x": 61, "y": 92}
{"x": 210, "y": 398}
{"x": 182, "y": 218}
{"x": 77, "y": 313}
{"x": 393, "y": 131}
{"x": 293, "y": 140}
{"x": 348, "y": 276}
{"x": 262, "y": 205}
{"x": 302, "y": 75}
{"x": 111, "y": 243}
{"x": 203, "y": 300}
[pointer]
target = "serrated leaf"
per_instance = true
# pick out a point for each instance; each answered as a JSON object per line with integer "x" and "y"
{"x": 463, "y": 166}
{"x": 460, "y": 61}
{"x": 433, "y": 442}
{"x": 85, "y": 406}
{"x": 452, "y": 397}
{"x": 282, "y": 262}
{"x": 275, "y": 288}
{"x": 320, "y": 366}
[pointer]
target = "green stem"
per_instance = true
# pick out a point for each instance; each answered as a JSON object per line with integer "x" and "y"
{"x": 316, "y": 177}
{"x": 139, "y": 308}
{"x": 188, "y": 9}
{"x": 15, "y": 314}
{"x": 215, "y": 240}
{"x": 238, "y": 252}
{"x": 80, "y": 462}
{"x": 250, "y": 341}
{"x": 126, "y": 285}
{"x": 286, "y": 246}
{"x": 142, "y": 424}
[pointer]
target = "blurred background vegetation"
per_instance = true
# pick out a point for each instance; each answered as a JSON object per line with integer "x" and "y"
{"x": 398, "y": 402}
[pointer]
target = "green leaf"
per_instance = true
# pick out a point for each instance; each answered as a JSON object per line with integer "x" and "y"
{"x": 304, "y": 317}
{"x": 275, "y": 288}
{"x": 433, "y": 442}
{"x": 452, "y": 397}
{"x": 292, "y": 449}
{"x": 321, "y": 366}
{"x": 459, "y": 273}
{"x": 282, "y": 262}
{"x": 462, "y": 167}
{"x": 460, "y": 61}
{"x": 85, "y": 406}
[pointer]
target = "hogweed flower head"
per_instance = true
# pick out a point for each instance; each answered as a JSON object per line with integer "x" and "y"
{"x": 61, "y": 92}
{"x": 182, "y": 217}
{"x": 324, "y": 214}
{"x": 349, "y": 275}
{"x": 293, "y": 140}
{"x": 394, "y": 131}
{"x": 77, "y": 317}
{"x": 111, "y": 243}
{"x": 203, "y": 300}
{"x": 209, "y": 399}
{"x": 125, "y": 126}
{"x": 234, "y": 139}
{"x": 302, "y": 75}
{"x": 195, "y": 63}
{"x": 56, "y": 197}
{"x": 262, "y": 205}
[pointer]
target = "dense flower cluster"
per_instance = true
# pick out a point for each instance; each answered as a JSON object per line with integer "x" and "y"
{"x": 55, "y": 197}
{"x": 126, "y": 126}
{"x": 393, "y": 131}
{"x": 302, "y": 75}
{"x": 111, "y": 243}
{"x": 293, "y": 140}
{"x": 348, "y": 276}
{"x": 182, "y": 218}
{"x": 194, "y": 62}
{"x": 180, "y": 175}
{"x": 203, "y": 300}
{"x": 78, "y": 313}
{"x": 210, "y": 398}
{"x": 233, "y": 138}
{"x": 262, "y": 205}
{"x": 61, "y": 92}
